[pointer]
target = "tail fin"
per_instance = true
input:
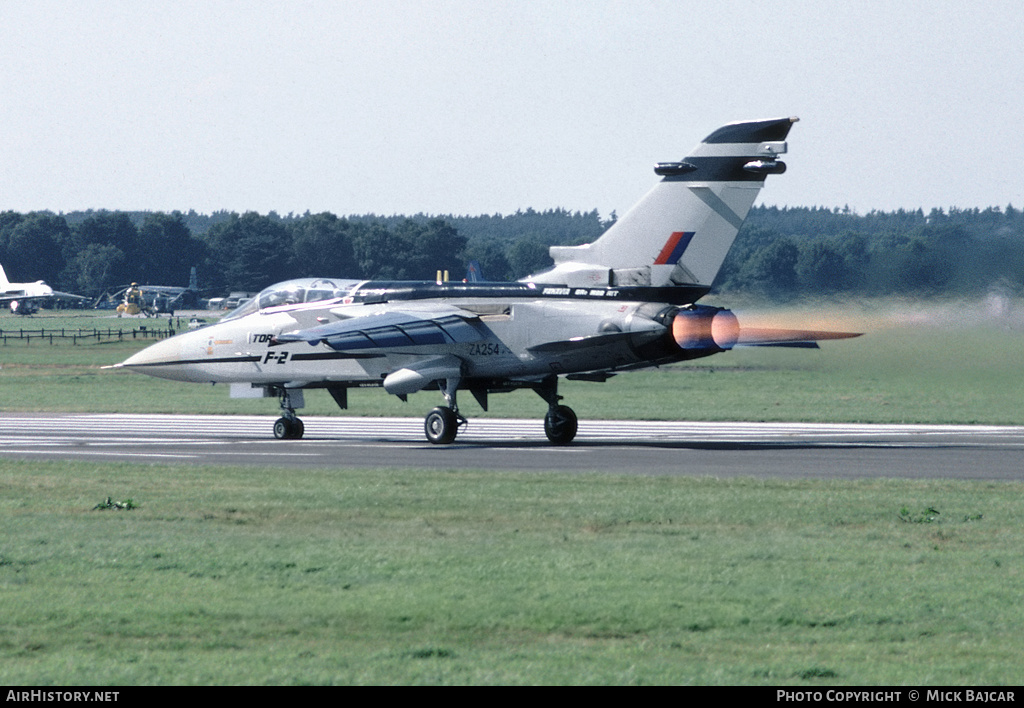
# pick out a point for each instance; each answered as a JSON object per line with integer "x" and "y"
{"x": 474, "y": 274}
{"x": 681, "y": 231}
{"x": 4, "y": 282}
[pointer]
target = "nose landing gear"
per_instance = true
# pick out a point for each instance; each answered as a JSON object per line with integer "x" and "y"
{"x": 288, "y": 429}
{"x": 289, "y": 426}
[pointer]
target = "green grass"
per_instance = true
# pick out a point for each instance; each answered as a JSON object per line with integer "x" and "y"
{"x": 257, "y": 576}
{"x": 912, "y": 365}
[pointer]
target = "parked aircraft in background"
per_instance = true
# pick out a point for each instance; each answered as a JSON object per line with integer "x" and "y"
{"x": 24, "y": 298}
{"x": 137, "y": 299}
{"x": 626, "y": 301}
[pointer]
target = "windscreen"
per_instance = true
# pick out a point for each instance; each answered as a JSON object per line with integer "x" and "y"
{"x": 294, "y": 292}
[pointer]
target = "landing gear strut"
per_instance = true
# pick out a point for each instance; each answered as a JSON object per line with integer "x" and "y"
{"x": 442, "y": 424}
{"x": 560, "y": 422}
{"x": 289, "y": 426}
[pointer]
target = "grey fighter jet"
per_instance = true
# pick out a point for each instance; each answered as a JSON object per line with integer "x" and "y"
{"x": 626, "y": 301}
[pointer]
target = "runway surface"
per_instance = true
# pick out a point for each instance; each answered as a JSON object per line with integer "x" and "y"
{"x": 784, "y": 450}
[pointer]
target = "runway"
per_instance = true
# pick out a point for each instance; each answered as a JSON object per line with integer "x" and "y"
{"x": 783, "y": 450}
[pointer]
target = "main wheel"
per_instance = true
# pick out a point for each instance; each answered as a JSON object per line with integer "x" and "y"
{"x": 560, "y": 425}
{"x": 288, "y": 429}
{"x": 441, "y": 425}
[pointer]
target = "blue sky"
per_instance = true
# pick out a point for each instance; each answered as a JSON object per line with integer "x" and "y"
{"x": 490, "y": 107}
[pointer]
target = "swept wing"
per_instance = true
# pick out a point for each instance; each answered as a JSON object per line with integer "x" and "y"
{"x": 394, "y": 329}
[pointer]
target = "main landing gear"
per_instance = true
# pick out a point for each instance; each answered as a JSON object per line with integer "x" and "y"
{"x": 442, "y": 423}
{"x": 560, "y": 422}
{"x": 560, "y": 425}
{"x": 289, "y": 426}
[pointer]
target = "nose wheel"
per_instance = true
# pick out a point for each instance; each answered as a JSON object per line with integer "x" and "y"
{"x": 289, "y": 426}
{"x": 288, "y": 429}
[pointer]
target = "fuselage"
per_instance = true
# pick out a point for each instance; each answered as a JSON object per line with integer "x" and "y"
{"x": 38, "y": 289}
{"x": 525, "y": 331}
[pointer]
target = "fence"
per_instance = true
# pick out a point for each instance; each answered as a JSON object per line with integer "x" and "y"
{"x": 81, "y": 336}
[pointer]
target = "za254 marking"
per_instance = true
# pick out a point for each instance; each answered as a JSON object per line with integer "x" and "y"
{"x": 484, "y": 349}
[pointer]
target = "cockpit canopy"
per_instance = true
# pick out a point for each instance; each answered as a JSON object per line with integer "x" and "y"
{"x": 294, "y": 292}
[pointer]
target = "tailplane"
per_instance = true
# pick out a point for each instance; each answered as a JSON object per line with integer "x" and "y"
{"x": 681, "y": 231}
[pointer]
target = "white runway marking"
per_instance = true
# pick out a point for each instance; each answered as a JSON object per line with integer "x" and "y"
{"x": 782, "y": 450}
{"x": 193, "y": 428}
{"x": 112, "y": 429}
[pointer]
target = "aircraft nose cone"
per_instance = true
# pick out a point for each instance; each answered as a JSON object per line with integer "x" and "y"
{"x": 162, "y": 359}
{"x": 163, "y": 352}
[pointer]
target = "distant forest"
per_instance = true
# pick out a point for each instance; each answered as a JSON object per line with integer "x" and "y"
{"x": 780, "y": 253}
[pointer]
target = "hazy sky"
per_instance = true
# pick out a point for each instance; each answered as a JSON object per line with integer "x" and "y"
{"x": 483, "y": 106}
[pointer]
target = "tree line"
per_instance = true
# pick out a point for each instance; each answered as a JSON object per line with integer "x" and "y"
{"x": 784, "y": 253}
{"x": 779, "y": 253}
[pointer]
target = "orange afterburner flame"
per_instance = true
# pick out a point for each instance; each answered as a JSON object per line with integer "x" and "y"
{"x": 705, "y": 328}
{"x": 712, "y": 329}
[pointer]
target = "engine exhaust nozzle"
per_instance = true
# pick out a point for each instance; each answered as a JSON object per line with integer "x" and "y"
{"x": 705, "y": 328}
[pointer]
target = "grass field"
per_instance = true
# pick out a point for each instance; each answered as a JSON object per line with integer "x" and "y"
{"x": 224, "y": 575}
{"x": 247, "y": 576}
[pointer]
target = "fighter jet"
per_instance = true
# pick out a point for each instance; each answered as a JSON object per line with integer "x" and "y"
{"x": 24, "y": 298}
{"x": 626, "y": 301}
